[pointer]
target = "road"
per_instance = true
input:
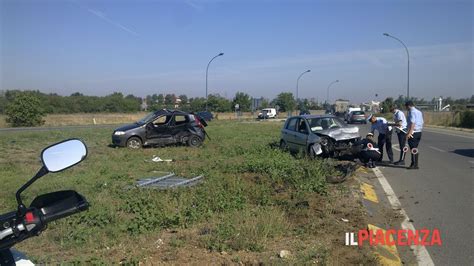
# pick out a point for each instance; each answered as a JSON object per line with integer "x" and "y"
{"x": 440, "y": 194}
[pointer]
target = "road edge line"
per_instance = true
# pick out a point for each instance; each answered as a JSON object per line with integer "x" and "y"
{"x": 421, "y": 253}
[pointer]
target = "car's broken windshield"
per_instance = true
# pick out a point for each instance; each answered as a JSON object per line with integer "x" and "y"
{"x": 324, "y": 123}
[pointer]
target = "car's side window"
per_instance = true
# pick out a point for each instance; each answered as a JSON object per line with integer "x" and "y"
{"x": 302, "y": 126}
{"x": 292, "y": 124}
{"x": 180, "y": 119}
{"x": 162, "y": 120}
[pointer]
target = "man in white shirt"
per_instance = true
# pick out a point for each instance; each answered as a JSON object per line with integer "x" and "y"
{"x": 414, "y": 128}
{"x": 385, "y": 135}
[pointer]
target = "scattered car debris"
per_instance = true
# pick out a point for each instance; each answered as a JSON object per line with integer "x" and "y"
{"x": 169, "y": 180}
{"x": 284, "y": 254}
{"x": 347, "y": 170}
{"x": 158, "y": 159}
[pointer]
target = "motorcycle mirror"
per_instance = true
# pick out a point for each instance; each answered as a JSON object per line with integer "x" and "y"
{"x": 63, "y": 155}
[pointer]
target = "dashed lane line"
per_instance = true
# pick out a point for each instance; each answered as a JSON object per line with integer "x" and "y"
{"x": 436, "y": 149}
{"x": 449, "y": 134}
{"x": 422, "y": 256}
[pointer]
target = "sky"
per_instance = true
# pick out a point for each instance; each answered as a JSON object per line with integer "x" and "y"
{"x": 143, "y": 47}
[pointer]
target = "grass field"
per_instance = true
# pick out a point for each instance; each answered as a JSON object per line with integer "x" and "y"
{"x": 255, "y": 201}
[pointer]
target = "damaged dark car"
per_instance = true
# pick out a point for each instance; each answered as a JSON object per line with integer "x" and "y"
{"x": 160, "y": 128}
{"x": 319, "y": 135}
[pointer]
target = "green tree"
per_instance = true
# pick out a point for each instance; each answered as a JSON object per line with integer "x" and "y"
{"x": 25, "y": 111}
{"x": 184, "y": 99}
{"x": 170, "y": 100}
{"x": 386, "y": 104}
{"x": 218, "y": 103}
{"x": 286, "y": 101}
{"x": 264, "y": 103}
{"x": 3, "y": 102}
{"x": 243, "y": 100}
{"x": 197, "y": 104}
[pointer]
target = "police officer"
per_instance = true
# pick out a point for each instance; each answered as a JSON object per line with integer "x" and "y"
{"x": 415, "y": 126}
{"x": 385, "y": 135}
{"x": 400, "y": 124}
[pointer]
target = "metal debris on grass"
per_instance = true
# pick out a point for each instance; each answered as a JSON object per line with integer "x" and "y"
{"x": 158, "y": 159}
{"x": 169, "y": 180}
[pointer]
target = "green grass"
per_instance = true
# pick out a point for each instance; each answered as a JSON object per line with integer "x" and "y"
{"x": 248, "y": 202}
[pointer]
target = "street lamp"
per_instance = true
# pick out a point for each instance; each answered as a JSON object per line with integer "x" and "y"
{"x": 298, "y": 80}
{"x": 207, "y": 71}
{"x": 408, "y": 55}
{"x": 327, "y": 93}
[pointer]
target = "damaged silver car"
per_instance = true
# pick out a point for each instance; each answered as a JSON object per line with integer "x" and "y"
{"x": 318, "y": 135}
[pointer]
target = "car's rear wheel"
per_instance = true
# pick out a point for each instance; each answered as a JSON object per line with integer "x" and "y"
{"x": 134, "y": 143}
{"x": 194, "y": 141}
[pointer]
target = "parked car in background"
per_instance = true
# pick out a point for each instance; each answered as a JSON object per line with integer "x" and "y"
{"x": 268, "y": 113}
{"x": 324, "y": 135}
{"x": 357, "y": 117}
{"x": 161, "y": 128}
{"x": 205, "y": 115}
{"x": 349, "y": 110}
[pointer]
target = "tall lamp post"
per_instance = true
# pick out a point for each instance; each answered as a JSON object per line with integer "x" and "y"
{"x": 297, "y": 82}
{"x": 327, "y": 93}
{"x": 408, "y": 69}
{"x": 207, "y": 71}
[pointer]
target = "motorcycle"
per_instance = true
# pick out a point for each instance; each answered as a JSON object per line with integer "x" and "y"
{"x": 27, "y": 222}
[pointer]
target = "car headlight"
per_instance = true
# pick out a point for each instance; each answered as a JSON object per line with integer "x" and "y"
{"x": 119, "y": 133}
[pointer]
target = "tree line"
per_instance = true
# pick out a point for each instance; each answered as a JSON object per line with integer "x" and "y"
{"x": 117, "y": 102}
{"x": 26, "y": 108}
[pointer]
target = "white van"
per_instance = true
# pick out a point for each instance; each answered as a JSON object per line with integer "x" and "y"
{"x": 267, "y": 113}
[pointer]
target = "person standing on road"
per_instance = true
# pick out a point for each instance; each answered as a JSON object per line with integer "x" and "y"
{"x": 415, "y": 126}
{"x": 385, "y": 135}
{"x": 400, "y": 123}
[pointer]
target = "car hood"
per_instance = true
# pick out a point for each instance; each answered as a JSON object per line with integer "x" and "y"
{"x": 342, "y": 133}
{"x": 128, "y": 127}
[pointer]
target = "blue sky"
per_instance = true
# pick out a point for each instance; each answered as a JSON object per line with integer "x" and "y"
{"x": 144, "y": 47}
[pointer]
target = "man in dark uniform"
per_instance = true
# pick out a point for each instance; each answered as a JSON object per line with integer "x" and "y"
{"x": 400, "y": 126}
{"x": 415, "y": 127}
{"x": 367, "y": 151}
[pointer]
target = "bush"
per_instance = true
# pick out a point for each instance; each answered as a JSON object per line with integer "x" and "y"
{"x": 467, "y": 119}
{"x": 25, "y": 110}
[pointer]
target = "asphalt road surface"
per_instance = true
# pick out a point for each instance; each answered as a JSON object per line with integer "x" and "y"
{"x": 440, "y": 194}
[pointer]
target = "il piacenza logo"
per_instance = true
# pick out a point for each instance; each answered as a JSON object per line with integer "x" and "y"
{"x": 392, "y": 237}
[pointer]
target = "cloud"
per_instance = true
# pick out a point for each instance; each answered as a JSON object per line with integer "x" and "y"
{"x": 102, "y": 16}
{"x": 451, "y": 52}
{"x": 194, "y": 5}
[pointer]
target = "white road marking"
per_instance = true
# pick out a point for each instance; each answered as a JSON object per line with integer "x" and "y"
{"x": 436, "y": 149}
{"x": 421, "y": 253}
{"x": 449, "y": 134}
{"x": 395, "y": 147}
